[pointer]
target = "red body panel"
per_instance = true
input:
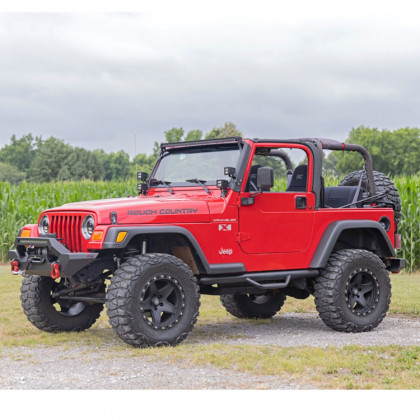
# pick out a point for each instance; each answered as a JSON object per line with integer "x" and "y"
{"x": 271, "y": 234}
{"x": 273, "y": 225}
{"x": 261, "y": 240}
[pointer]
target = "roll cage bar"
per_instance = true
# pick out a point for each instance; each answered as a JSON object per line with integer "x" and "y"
{"x": 316, "y": 145}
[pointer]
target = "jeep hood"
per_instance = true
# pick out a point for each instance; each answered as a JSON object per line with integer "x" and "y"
{"x": 141, "y": 209}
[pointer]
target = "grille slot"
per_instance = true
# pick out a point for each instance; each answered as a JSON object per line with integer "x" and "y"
{"x": 68, "y": 231}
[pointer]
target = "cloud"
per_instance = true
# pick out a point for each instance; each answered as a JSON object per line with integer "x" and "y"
{"x": 98, "y": 80}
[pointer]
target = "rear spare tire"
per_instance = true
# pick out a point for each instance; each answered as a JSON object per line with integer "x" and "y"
{"x": 383, "y": 185}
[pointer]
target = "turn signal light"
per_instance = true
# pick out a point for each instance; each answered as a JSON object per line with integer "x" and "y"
{"x": 97, "y": 236}
{"x": 26, "y": 233}
{"x": 121, "y": 236}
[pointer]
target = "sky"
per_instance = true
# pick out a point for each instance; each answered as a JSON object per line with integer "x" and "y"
{"x": 276, "y": 69}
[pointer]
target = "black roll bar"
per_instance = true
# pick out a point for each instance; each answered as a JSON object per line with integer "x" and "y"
{"x": 335, "y": 145}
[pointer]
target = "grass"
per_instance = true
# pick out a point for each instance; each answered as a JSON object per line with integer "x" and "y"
{"x": 351, "y": 367}
{"x": 405, "y": 294}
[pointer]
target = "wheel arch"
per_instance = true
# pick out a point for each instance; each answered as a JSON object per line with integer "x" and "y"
{"x": 352, "y": 234}
{"x": 172, "y": 240}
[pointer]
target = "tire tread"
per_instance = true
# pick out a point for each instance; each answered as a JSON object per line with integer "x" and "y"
{"x": 241, "y": 306}
{"x": 32, "y": 305}
{"x": 327, "y": 291}
{"x": 120, "y": 293}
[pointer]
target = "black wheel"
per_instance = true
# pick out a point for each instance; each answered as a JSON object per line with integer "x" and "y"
{"x": 253, "y": 306}
{"x": 353, "y": 292}
{"x": 153, "y": 300}
{"x": 55, "y": 315}
{"x": 383, "y": 185}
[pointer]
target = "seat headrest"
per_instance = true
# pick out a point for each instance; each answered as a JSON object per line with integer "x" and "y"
{"x": 299, "y": 177}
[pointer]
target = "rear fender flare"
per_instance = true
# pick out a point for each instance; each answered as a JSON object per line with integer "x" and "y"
{"x": 360, "y": 227}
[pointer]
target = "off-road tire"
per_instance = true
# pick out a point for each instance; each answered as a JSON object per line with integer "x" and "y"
{"x": 337, "y": 291}
{"x": 137, "y": 292}
{"x": 382, "y": 183}
{"x": 42, "y": 310}
{"x": 253, "y": 306}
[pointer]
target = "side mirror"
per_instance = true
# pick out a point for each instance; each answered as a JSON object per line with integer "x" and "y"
{"x": 265, "y": 177}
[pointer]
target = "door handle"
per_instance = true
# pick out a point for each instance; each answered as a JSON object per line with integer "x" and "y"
{"x": 300, "y": 202}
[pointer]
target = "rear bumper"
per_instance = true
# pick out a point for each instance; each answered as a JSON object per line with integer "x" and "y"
{"x": 35, "y": 256}
{"x": 395, "y": 265}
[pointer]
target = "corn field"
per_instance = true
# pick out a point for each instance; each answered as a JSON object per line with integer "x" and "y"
{"x": 22, "y": 204}
{"x": 409, "y": 189}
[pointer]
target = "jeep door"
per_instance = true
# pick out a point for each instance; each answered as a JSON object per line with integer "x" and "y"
{"x": 280, "y": 220}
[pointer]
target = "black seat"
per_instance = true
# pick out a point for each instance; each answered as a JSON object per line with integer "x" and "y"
{"x": 341, "y": 196}
{"x": 299, "y": 178}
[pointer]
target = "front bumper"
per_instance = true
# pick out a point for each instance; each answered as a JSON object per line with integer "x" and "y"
{"x": 38, "y": 256}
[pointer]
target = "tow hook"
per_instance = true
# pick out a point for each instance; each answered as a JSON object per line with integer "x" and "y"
{"x": 15, "y": 267}
{"x": 55, "y": 270}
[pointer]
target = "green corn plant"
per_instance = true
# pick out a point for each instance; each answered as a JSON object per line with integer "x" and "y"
{"x": 409, "y": 189}
{"x": 22, "y": 204}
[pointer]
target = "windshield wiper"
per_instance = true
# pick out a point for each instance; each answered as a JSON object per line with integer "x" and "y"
{"x": 199, "y": 181}
{"x": 164, "y": 183}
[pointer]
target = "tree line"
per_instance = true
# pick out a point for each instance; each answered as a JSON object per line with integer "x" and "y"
{"x": 37, "y": 160}
{"x": 393, "y": 152}
{"x": 34, "y": 159}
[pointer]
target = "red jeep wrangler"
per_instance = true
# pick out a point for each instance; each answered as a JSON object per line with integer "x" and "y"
{"x": 249, "y": 220}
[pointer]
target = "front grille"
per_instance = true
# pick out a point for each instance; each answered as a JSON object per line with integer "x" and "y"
{"x": 68, "y": 230}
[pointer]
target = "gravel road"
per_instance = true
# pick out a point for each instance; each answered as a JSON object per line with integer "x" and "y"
{"x": 293, "y": 329}
{"x": 81, "y": 368}
{"x": 58, "y": 368}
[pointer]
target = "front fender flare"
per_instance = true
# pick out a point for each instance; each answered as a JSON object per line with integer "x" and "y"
{"x": 132, "y": 231}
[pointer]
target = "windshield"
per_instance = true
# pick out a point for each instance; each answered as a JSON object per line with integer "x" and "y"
{"x": 205, "y": 164}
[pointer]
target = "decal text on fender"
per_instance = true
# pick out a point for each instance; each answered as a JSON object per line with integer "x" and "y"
{"x": 146, "y": 212}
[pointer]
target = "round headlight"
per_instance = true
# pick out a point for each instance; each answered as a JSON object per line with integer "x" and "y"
{"x": 44, "y": 225}
{"x": 88, "y": 226}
